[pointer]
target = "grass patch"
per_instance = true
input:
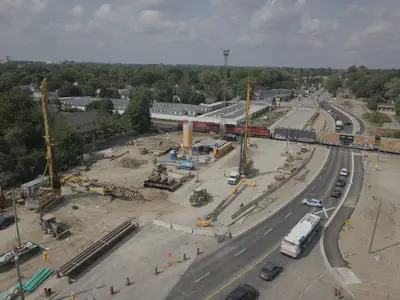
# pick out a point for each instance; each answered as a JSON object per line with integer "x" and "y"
{"x": 376, "y": 117}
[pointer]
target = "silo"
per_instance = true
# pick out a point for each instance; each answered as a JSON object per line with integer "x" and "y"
{"x": 187, "y": 137}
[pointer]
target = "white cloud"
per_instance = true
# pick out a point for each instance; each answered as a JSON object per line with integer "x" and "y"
{"x": 77, "y": 11}
{"x": 275, "y": 32}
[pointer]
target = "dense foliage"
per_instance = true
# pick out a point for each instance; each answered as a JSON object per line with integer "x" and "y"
{"x": 376, "y": 86}
{"x": 22, "y": 148}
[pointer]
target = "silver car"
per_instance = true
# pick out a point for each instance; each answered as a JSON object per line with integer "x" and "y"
{"x": 312, "y": 202}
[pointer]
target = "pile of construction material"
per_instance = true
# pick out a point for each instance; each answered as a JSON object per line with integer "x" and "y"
{"x": 159, "y": 179}
{"x": 132, "y": 163}
{"x": 84, "y": 184}
{"x": 87, "y": 257}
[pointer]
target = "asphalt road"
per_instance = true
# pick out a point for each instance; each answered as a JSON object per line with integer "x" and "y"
{"x": 215, "y": 275}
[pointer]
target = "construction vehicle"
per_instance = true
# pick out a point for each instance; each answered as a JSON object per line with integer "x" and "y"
{"x": 159, "y": 179}
{"x": 199, "y": 197}
{"x": 144, "y": 151}
{"x": 207, "y": 220}
{"x": 50, "y": 226}
{"x": 47, "y": 195}
{"x": 234, "y": 177}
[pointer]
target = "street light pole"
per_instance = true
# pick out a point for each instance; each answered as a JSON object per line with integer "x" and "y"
{"x": 21, "y": 288}
{"x": 16, "y": 217}
{"x": 16, "y": 258}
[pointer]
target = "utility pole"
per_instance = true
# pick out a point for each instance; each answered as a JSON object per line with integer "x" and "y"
{"x": 197, "y": 166}
{"x": 16, "y": 217}
{"x": 225, "y": 52}
{"x": 16, "y": 258}
{"x": 287, "y": 138}
{"x": 379, "y": 147}
{"x": 21, "y": 288}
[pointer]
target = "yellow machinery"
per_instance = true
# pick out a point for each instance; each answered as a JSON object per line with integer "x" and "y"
{"x": 47, "y": 194}
{"x": 205, "y": 222}
{"x": 246, "y": 163}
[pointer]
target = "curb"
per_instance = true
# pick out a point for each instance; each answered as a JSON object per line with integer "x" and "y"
{"x": 353, "y": 120}
{"x": 247, "y": 228}
{"x": 321, "y": 243}
{"x": 275, "y": 188}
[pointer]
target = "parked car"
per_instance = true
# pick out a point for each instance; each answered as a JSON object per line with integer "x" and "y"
{"x": 269, "y": 271}
{"x": 244, "y": 292}
{"x": 344, "y": 172}
{"x": 312, "y": 202}
{"x": 347, "y": 123}
{"x": 336, "y": 194}
{"x": 6, "y": 221}
{"x": 340, "y": 182}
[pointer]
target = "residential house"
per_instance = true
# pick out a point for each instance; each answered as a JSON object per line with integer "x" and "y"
{"x": 81, "y": 103}
{"x": 83, "y": 123}
{"x": 386, "y": 108}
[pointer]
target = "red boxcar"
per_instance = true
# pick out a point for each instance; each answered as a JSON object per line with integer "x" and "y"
{"x": 254, "y": 130}
{"x": 201, "y": 126}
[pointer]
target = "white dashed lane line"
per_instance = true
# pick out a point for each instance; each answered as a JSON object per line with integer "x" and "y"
{"x": 288, "y": 215}
{"x": 240, "y": 252}
{"x": 268, "y": 231}
{"x": 202, "y": 277}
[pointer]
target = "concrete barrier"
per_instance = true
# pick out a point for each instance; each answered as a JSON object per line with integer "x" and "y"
{"x": 162, "y": 224}
{"x": 203, "y": 232}
{"x": 182, "y": 228}
{"x": 270, "y": 191}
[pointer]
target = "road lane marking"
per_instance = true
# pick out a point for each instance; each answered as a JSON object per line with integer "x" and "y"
{"x": 314, "y": 209}
{"x": 240, "y": 252}
{"x": 315, "y": 281}
{"x": 313, "y": 188}
{"x": 268, "y": 231}
{"x": 324, "y": 210}
{"x": 320, "y": 177}
{"x": 242, "y": 273}
{"x": 202, "y": 277}
{"x": 288, "y": 215}
{"x": 242, "y": 231}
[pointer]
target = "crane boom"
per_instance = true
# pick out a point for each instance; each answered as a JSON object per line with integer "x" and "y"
{"x": 246, "y": 125}
{"x": 54, "y": 179}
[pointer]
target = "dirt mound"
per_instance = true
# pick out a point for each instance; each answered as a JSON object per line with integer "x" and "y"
{"x": 132, "y": 163}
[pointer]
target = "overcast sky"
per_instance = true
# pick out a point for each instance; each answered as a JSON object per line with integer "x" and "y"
{"x": 298, "y": 33}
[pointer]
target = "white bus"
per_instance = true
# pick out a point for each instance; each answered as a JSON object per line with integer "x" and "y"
{"x": 301, "y": 234}
{"x": 339, "y": 126}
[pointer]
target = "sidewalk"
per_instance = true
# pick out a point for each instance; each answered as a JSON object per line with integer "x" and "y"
{"x": 370, "y": 242}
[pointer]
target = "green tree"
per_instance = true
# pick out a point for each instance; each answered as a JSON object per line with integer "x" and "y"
{"x": 138, "y": 110}
{"x": 21, "y": 136}
{"x": 103, "y": 105}
{"x": 68, "y": 144}
{"x": 332, "y": 84}
{"x": 392, "y": 89}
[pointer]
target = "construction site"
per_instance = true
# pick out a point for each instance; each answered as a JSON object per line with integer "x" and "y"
{"x": 186, "y": 181}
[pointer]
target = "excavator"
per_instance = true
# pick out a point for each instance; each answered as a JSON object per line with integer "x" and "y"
{"x": 50, "y": 226}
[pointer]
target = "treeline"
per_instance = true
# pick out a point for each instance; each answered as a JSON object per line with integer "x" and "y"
{"x": 192, "y": 84}
{"x": 376, "y": 86}
{"x": 22, "y": 148}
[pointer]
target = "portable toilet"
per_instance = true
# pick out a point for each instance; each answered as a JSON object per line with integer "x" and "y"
{"x": 172, "y": 155}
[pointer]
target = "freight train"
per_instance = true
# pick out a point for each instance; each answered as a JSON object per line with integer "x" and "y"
{"x": 253, "y": 130}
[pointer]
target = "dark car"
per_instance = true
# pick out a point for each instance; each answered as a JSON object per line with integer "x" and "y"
{"x": 269, "y": 271}
{"x": 336, "y": 194}
{"x": 244, "y": 292}
{"x": 347, "y": 123}
{"x": 340, "y": 182}
{"x": 6, "y": 221}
